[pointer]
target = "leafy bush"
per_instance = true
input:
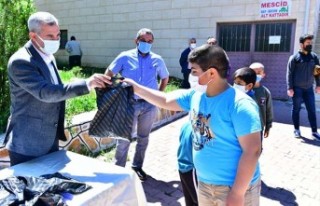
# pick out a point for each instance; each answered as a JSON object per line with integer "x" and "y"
{"x": 13, "y": 34}
{"x": 173, "y": 84}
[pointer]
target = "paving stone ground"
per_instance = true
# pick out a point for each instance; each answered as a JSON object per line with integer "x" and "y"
{"x": 290, "y": 167}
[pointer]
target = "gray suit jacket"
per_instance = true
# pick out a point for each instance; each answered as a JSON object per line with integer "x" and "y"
{"x": 37, "y": 104}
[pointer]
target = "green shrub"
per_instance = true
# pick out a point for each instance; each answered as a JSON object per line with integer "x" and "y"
{"x": 79, "y": 104}
{"x": 13, "y": 34}
{"x": 108, "y": 154}
{"x": 173, "y": 84}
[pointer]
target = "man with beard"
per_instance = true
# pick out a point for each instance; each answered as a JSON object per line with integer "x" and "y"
{"x": 300, "y": 79}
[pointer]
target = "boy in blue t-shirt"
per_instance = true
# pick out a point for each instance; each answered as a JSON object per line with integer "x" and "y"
{"x": 186, "y": 167}
{"x": 244, "y": 79}
{"x": 226, "y": 130}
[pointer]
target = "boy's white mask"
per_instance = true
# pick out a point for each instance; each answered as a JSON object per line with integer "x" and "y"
{"x": 194, "y": 84}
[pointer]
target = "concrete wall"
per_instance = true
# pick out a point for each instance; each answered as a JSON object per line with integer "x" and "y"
{"x": 105, "y": 28}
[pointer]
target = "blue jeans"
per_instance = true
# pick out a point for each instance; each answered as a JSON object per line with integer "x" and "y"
{"x": 307, "y": 96}
{"x": 144, "y": 115}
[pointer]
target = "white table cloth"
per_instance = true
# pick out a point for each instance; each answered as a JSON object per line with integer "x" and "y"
{"x": 111, "y": 185}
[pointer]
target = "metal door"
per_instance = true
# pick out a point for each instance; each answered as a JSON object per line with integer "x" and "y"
{"x": 270, "y": 43}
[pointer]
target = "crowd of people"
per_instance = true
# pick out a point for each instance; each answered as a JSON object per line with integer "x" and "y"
{"x": 218, "y": 152}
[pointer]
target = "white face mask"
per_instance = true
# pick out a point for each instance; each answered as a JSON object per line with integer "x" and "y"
{"x": 50, "y": 46}
{"x": 194, "y": 84}
{"x": 193, "y": 45}
{"x": 193, "y": 81}
{"x": 259, "y": 77}
{"x": 240, "y": 87}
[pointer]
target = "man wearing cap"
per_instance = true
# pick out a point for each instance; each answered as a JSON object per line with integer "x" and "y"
{"x": 300, "y": 79}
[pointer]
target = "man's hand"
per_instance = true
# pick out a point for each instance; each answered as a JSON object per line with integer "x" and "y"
{"x": 290, "y": 92}
{"x": 266, "y": 134}
{"x": 316, "y": 71}
{"x": 98, "y": 81}
{"x": 318, "y": 90}
{"x": 130, "y": 82}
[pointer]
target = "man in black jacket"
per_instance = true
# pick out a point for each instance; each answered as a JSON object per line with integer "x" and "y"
{"x": 300, "y": 79}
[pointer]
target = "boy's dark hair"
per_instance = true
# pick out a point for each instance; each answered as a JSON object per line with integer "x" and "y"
{"x": 72, "y": 38}
{"x": 245, "y": 74}
{"x": 193, "y": 39}
{"x": 304, "y": 37}
{"x": 207, "y": 56}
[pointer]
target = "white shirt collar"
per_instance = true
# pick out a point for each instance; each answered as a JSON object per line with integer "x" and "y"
{"x": 47, "y": 58}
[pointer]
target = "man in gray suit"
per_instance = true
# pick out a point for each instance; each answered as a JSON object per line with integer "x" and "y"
{"x": 38, "y": 96}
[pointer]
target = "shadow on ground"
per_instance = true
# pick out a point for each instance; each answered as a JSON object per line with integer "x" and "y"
{"x": 310, "y": 141}
{"x": 165, "y": 193}
{"x": 283, "y": 196}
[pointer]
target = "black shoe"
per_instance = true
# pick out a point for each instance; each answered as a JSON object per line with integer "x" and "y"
{"x": 316, "y": 136}
{"x": 141, "y": 174}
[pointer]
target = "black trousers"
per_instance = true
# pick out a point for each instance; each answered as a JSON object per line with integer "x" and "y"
{"x": 189, "y": 183}
{"x": 16, "y": 158}
{"x": 74, "y": 61}
{"x": 185, "y": 82}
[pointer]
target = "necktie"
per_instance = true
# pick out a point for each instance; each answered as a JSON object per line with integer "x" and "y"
{"x": 54, "y": 73}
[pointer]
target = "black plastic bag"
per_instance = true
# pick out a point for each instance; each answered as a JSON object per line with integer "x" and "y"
{"x": 114, "y": 117}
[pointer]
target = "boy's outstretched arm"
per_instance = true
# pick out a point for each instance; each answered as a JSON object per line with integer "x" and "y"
{"x": 158, "y": 98}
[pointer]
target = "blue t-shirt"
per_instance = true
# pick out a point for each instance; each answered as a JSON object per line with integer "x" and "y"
{"x": 142, "y": 69}
{"x": 217, "y": 123}
{"x": 184, "y": 154}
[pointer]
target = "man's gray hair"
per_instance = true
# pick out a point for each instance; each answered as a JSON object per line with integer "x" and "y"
{"x": 143, "y": 32}
{"x": 38, "y": 19}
